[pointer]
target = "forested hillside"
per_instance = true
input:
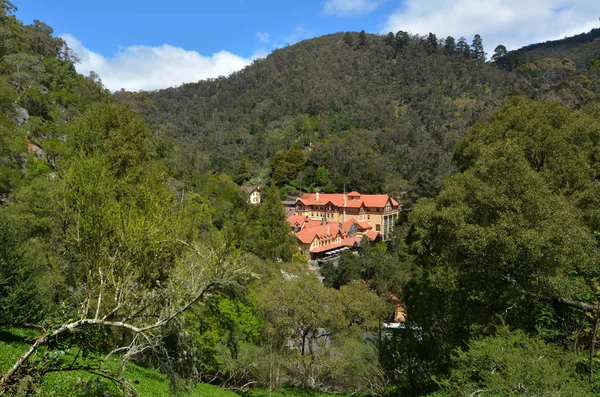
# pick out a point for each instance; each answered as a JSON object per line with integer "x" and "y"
{"x": 372, "y": 113}
{"x": 369, "y": 113}
{"x": 580, "y": 48}
{"x": 39, "y": 92}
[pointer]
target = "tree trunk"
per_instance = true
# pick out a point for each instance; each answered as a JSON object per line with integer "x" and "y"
{"x": 8, "y": 374}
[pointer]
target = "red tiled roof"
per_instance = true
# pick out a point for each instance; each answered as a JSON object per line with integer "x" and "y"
{"x": 324, "y": 248}
{"x": 346, "y": 225}
{"x": 350, "y": 242}
{"x": 364, "y": 225}
{"x": 360, "y": 224}
{"x": 308, "y": 234}
{"x": 358, "y": 200}
{"x": 313, "y": 223}
{"x": 372, "y": 234}
{"x": 375, "y": 200}
{"x": 300, "y": 219}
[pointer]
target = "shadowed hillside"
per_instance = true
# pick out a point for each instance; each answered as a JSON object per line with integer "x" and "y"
{"x": 580, "y": 48}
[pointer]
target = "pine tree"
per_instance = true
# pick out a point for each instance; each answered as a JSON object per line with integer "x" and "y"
{"x": 463, "y": 47}
{"x": 477, "y": 48}
{"x": 450, "y": 45}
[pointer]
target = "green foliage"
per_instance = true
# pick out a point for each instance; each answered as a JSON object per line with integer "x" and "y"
{"x": 558, "y": 143}
{"x": 513, "y": 363}
{"x": 579, "y": 48}
{"x": 382, "y": 270}
{"x": 216, "y": 332}
{"x": 287, "y": 165}
{"x": 267, "y": 234}
{"x": 477, "y": 51}
{"x": 21, "y": 292}
{"x": 113, "y": 130}
{"x": 495, "y": 232}
{"x": 316, "y": 333}
{"x": 493, "y": 242}
{"x": 145, "y": 381}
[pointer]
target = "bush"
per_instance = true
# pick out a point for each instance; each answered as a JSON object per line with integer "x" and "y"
{"x": 513, "y": 363}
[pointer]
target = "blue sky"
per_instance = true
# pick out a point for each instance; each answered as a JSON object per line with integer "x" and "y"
{"x": 151, "y": 44}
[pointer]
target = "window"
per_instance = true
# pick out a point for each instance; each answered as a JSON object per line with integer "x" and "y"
{"x": 378, "y": 227}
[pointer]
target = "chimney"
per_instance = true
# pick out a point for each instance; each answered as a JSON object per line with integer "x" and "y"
{"x": 317, "y": 197}
{"x": 328, "y": 231}
{"x": 344, "y": 217}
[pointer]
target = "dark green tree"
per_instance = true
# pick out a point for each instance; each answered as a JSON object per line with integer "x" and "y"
{"x": 402, "y": 39}
{"x": 23, "y": 298}
{"x": 432, "y": 43}
{"x": 389, "y": 39}
{"x": 348, "y": 39}
{"x": 287, "y": 165}
{"x": 267, "y": 234}
{"x": 493, "y": 242}
{"x": 463, "y": 47}
{"x": 7, "y": 8}
{"x": 499, "y": 53}
{"x": 362, "y": 39}
{"x": 477, "y": 51}
{"x": 450, "y": 46}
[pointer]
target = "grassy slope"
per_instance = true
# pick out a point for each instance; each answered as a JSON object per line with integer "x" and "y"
{"x": 148, "y": 382}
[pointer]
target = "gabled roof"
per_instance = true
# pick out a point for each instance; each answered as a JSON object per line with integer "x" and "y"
{"x": 297, "y": 219}
{"x": 372, "y": 235}
{"x": 351, "y": 242}
{"x": 324, "y": 248}
{"x": 362, "y": 225}
{"x": 308, "y": 234}
{"x": 251, "y": 189}
{"x": 353, "y": 200}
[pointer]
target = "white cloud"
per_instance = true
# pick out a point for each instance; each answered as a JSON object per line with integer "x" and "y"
{"x": 300, "y": 33}
{"x": 514, "y": 23}
{"x": 349, "y": 7}
{"x": 264, "y": 37}
{"x": 140, "y": 67}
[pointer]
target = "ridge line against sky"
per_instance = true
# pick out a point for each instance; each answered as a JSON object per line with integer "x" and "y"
{"x": 148, "y": 45}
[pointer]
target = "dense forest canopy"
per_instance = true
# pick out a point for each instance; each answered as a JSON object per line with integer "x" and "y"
{"x": 371, "y": 113}
{"x": 125, "y": 236}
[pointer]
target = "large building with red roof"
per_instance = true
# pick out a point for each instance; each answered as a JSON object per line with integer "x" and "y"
{"x": 380, "y": 210}
{"x": 325, "y": 223}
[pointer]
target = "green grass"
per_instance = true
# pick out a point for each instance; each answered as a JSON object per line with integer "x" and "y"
{"x": 283, "y": 393}
{"x": 147, "y": 381}
{"x": 290, "y": 392}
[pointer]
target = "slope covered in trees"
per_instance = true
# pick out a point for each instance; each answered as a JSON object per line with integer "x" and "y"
{"x": 372, "y": 114}
{"x": 580, "y": 48}
{"x": 366, "y": 112}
